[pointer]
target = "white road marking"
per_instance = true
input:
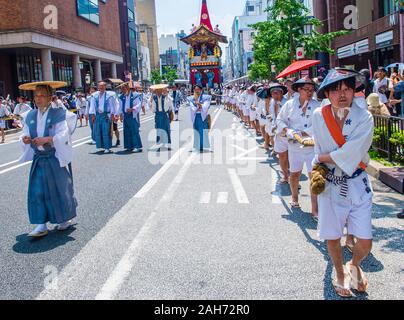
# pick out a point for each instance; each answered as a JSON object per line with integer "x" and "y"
{"x": 205, "y": 197}
{"x": 122, "y": 270}
{"x": 7, "y": 164}
{"x": 74, "y": 271}
{"x": 238, "y": 187}
{"x": 152, "y": 182}
{"x": 222, "y": 197}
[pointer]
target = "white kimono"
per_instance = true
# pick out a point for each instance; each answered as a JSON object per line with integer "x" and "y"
{"x": 353, "y": 206}
{"x": 205, "y": 100}
{"x": 376, "y": 87}
{"x": 168, "y": 104}
{"x": 21, "y": 108}
{"x": 4, "y": 112}
{"x": 250, "y": 106}
{"x": 137, "y": 104}
{"x": 112, "y": 103}
{"x": 62, "y": 142}
{"x": 292, "y": 117}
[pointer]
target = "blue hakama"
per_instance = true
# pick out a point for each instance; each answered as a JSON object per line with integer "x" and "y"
{"x": 50, "y": 190}
{"x": 201, "y": 133}
{"x": 163, "y": 127}
{"x": 102, "y": 131}
{"x": 131, "y": 133}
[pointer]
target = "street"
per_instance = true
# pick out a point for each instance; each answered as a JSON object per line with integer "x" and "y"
{"x": 183, "y": 225}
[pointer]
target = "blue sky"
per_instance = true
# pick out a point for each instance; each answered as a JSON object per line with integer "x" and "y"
{"x": 176, "y": 15}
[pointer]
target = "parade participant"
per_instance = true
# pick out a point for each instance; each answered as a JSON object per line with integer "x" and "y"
{"x": 280, "y": 142}
{"x": 296, "y": 117}
{"x": 162, "y": 105}
{"x": 200, "y": 104}
{"x": 176, "y": 101}
{"x": 104, "y": 109}
{"x": 130, "y": 105}
{"x": 46, "y": 141}
{"x": 22, "y": 106}
{"x": 4, "y": 112}
{"x": 382, "y": 86}
{"x": 263, "y": 114}
{"x": 81, "y": 105}
{"x": 290, "y": 94}
{"x": 343, "y": 133}
{"x": 92, "y": 90}
{"x": 251, "y": 109}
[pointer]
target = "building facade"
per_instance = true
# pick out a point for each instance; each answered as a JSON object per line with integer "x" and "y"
{"x": 58, "y": 40}
{"x": 243, "y": 36}
{"x": 129, "y": 40}
{"x": 376, "y": 35}
{"x": 147, "y": 22}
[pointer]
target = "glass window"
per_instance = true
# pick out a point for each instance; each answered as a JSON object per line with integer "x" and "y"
{"x": 89, "y": 9}
{"x": 389, "y": 7}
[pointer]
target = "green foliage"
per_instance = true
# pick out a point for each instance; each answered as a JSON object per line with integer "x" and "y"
{"x": 397, "y": 139}
{"x": 156, "y": 77}
{"x": 170, "y": 75}
{"x": 276, "y": 40}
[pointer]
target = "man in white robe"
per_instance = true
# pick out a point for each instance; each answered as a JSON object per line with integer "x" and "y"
{"x": 347, "y": 198}
{"x": 296, "y": 118}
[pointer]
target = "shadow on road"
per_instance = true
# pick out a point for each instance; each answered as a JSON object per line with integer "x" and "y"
{"x": 55, "y": 239}
{"x": 304, "y": 221}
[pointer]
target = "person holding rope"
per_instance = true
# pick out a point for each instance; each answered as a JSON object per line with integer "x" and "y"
{"x": 343, "y": 133}
{"x": 295, "y": 122}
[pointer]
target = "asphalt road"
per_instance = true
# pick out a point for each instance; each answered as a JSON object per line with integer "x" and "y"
{"x": 183, "y": 225}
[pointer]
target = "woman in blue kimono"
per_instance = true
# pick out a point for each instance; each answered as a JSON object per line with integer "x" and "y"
{"x": 46, "y": 141}
{"x": 130, "y": 105}
{"x": 200, "y": 104}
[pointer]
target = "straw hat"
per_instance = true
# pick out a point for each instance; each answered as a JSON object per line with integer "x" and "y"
{"x": 159, "y": 86}
{"x": 32, "y": 85}
{"x": 374, "y": 101}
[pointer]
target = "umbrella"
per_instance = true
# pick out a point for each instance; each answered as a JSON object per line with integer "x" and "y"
{"x": 400, "y": 66}
{"x": 298, "y": 66}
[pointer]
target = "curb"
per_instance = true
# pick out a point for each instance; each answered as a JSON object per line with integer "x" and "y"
{"x": 373, "y": 169}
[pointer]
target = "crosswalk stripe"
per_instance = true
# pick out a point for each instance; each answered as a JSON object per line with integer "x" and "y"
{"x": 222, "y": 197}
{"x": 205, "y": 197}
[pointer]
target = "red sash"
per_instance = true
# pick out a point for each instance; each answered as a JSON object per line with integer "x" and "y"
{"x": 335, "y": 130}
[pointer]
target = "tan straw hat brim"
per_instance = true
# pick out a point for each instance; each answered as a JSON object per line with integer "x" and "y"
{"x": 159, "y": 87}
{"x": 32, "y": 85}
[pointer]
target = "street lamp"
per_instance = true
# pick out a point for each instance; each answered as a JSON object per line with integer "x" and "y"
{"x": 308, "y": 28}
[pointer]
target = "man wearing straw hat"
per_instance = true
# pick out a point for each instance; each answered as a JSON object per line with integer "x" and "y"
{"x": 130, "y": 105}
{"x": 343, "y": 133}
{"x": 46, "y": 141}
{"x": 104, "y": 108}
{"x": 162, "y": 105}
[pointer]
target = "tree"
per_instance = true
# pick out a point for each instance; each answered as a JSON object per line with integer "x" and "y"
{"x": 156, "y": 77}
{"x": 276, "y": 40}
{"x": 170, "y": 75}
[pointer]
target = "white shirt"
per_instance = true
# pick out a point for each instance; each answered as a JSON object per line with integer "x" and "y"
{"x": 61, "y": 140}
{"x": 21, "y": 108}
{"x": 292, "y": 117}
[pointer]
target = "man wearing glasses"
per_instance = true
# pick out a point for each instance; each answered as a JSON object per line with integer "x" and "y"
{"x": 296, "y": 118}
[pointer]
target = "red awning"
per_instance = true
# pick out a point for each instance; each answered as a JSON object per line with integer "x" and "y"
{"x": 298, "y": 66}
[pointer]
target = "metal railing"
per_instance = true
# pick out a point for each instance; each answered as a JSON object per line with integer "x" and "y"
{"x": 385, "y": 128}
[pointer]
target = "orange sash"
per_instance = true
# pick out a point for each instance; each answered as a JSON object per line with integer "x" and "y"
{"x": 335, "y": 130}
